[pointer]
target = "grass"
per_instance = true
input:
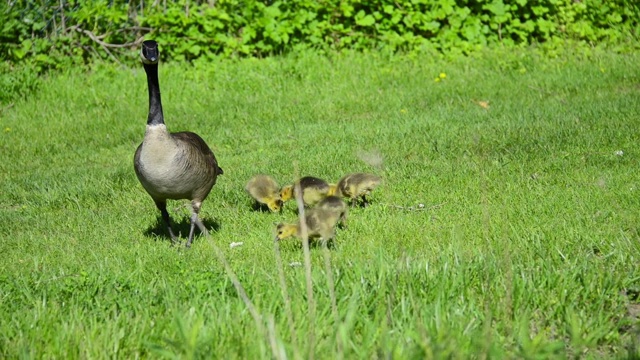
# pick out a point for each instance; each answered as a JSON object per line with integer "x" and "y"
{"x": 526, "y": 245}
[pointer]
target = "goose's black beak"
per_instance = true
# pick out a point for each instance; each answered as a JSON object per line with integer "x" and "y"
{"x": 149, "y": 52}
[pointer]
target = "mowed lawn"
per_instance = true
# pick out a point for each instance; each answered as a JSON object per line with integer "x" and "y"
{"x": 507, "y": 225}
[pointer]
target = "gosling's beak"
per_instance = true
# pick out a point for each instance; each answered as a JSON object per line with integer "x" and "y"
{"x": 276, "y": 238}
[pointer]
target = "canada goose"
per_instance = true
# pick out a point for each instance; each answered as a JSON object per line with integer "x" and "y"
{"x": 357, "y": 186}
{"x": 265, "y": 190}
{"x": 313, "y": 190}
{"x": 320, "y": 225}
{"x": 336, "y": 205}
{"x": 172, "y": 165}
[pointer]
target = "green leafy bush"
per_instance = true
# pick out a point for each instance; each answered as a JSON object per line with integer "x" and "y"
{"x": 260, "y": 28}
{"x": 16, "y": 81}
{"x": 58, "y": 33}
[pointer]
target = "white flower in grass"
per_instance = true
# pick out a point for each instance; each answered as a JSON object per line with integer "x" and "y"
{"x": 619, "y": 152}
{"x": 235, "y": 244}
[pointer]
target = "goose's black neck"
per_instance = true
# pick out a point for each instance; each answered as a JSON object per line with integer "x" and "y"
{"x": 155, "y": 104}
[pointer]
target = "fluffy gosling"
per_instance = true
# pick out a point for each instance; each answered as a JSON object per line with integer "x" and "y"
{"x": 313, "y": 190}
{"x": 356, "y": 187}
{"x": 336, "y": 205}
{"x": 264, "y": 190}
{"x": 320, "y": 226}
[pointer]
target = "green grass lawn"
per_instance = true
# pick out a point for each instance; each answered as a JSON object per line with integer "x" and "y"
{"x": 511, "y": 231}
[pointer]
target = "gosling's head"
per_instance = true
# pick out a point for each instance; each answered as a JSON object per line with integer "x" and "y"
{"x": 275, "y": 205}
{"x": 284, "y": 231}
{"x": 286, "y": 193}
{"x": 149, "y": 53}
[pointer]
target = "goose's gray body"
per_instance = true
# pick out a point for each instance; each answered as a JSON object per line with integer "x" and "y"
{"x": 175, "y": 166}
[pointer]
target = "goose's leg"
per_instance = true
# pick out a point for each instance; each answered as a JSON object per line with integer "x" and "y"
{"x": 343, "y": 220}
{"x": 327, "y": 236}
{"x": 328, "y": 243}
{"x": 195, "y": 205}
{"x": 196, "y": 209}
{"x": 162, "y": 206}
{"x": 365, "y": 202}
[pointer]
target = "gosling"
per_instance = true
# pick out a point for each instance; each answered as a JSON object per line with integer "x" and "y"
{"x": 336, "y": 205}
{"x": 313, "y": 190}
{"x": 172, "y": 165}
{"x": 320, "y": 222}
{"x": 264, "y": 190}
{"x": 356, "y": 187}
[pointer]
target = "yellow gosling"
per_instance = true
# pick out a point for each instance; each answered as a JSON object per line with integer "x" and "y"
{"x": 357, "y": 186}
{"x": 320, "y": 226}
{"x": 313, "y": 190}
{"x": 264, "y": 190}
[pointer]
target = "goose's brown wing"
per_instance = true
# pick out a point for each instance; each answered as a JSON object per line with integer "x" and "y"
{"x": 196, "y": 142}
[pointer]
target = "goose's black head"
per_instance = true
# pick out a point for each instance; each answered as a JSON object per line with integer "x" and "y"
{"x": 149, "y": 53}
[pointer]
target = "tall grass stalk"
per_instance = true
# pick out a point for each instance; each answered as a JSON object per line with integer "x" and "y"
{"x": 304, "y": 233}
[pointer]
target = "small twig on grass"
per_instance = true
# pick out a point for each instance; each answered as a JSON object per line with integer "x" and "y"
{"x": 539, "y": 89}
{"x": 419, "y": 207}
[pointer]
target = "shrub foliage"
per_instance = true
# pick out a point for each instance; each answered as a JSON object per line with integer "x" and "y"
{"x": 51, "y": 33}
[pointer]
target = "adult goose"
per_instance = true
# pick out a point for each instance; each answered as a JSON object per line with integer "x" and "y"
{"x": 172, "y": 165}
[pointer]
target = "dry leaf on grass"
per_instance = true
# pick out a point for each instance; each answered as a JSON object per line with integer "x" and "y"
{"x": 483, "y": 104}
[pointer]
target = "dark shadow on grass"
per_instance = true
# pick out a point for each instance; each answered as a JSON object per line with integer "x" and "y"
{"x": 180, "y": 228}
{"x": 314, "y": 244}
{"x": 259, "y": 207}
